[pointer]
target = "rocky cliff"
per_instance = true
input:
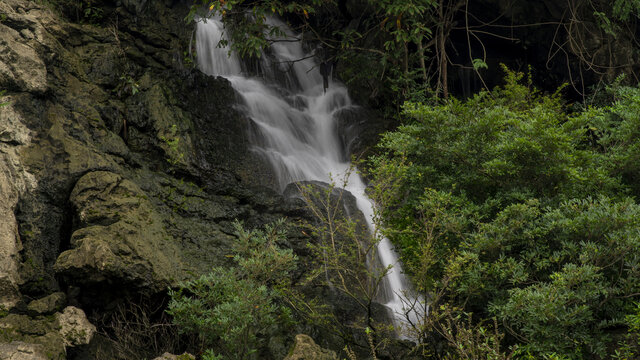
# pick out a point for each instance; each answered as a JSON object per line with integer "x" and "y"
{"x": 121, "y": 166}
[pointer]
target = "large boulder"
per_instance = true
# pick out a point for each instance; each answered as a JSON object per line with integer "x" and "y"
{"x": 48, "y": 304}
{"x": 118, "y": 239}
{"x": 41, "y": 330}
{"x": 74, "y": 327}
{"x": 44, "y": 337}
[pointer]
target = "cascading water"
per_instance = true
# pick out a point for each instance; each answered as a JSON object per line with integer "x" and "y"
{"x": 295, "y": 122}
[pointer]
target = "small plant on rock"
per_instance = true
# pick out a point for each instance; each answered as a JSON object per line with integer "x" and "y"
{"x": 2, "y": 92}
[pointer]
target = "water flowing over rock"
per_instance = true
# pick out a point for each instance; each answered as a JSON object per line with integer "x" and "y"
{"x": 294, "y": 129}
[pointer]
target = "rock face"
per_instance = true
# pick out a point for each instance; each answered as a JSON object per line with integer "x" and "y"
{"x": 48, "y": 304}
{"x": 122, "y": 167}
{"x": 15, "y": 180}
{"x": 21, "y": 68}
{"x": 306, "y": 349}
{"x": 359, "y": 129}
{"x": 118, "y": 236}
{"x": 46, "y": 337}
{"x": 17, "y": 350}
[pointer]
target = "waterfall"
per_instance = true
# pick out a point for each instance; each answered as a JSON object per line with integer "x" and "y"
{"x": 295, "y": 120}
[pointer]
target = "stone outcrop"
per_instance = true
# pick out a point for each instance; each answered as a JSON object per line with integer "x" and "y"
{"x": 118, "y": 236}
{"x": 359, "y": 129}
{"x": 18, "y": 350}
{"x": 21, "y": 67}
{"x": 15, "y": 180}
{"x": 168, "y": 356}
{"x": 48, "y": 304}
{"x": 122, "y": 169}
{"x": 46, "y": 337}
{"x": 306, "y": 349}
{"x": 74, "y": 327}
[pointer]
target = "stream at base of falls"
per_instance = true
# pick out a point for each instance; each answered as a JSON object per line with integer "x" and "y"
{"x": 295, "y": 131}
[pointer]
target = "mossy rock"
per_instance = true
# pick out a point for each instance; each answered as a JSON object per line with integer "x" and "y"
{"x": 48, "y": 304}
{"x": 118, "y": 237}
{"x": 306, "y": 349}
{"x": 41, "y": 333}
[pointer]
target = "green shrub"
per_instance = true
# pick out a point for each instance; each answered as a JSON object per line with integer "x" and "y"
{"x": 234, "y": 311}
{"x": 510, "y": 206}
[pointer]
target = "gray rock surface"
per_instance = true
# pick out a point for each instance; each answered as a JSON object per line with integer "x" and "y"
{"x": 15, "y": 180}
{"x": 48, "y": 304}
{"x": 119, "y": 236}
{"x": 74, "y": 327}
{"x": 17, "y": 350}
{"x": 20, "y": 65}
{"x": 36, "y": 335}
{"x": 122, "y": 168}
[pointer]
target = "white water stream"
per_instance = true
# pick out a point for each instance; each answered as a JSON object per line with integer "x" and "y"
{"x": 296, "y": 133}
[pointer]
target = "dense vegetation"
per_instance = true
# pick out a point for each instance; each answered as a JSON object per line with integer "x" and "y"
{"x": 513, "y": 207}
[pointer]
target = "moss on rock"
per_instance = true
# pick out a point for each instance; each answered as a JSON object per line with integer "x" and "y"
{"x": 118, "y": 236}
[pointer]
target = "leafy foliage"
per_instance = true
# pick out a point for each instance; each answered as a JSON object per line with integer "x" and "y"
{"x": 234, "y": 310}
{"x": 346, "y": 251}
{"x": 508, "y": 206}
{"x": 250, "y": 31}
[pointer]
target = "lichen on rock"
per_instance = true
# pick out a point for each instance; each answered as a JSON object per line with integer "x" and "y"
{"x": 15, "y": 180}
{"x": 21, "y": 67}
{"x": 18, "y": 350}
{"x": 74, "y": 327}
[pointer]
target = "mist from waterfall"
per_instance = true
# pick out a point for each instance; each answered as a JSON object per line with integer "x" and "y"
{"x": 295, "y": 130}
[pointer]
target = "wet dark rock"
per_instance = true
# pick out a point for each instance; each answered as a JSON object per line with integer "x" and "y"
{"x": 359, "y": 130}
{"x": 317, "y": 191}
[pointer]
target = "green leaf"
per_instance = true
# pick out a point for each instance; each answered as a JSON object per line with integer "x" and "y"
{"x": 479, "y": 64}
